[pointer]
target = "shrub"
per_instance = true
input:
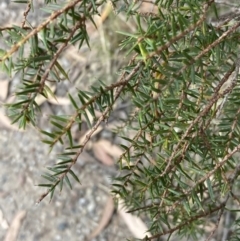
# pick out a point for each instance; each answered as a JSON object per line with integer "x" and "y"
{"x": 181, "y": 166}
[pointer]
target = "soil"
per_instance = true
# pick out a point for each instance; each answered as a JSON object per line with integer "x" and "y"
{"x": 72, "y": 215}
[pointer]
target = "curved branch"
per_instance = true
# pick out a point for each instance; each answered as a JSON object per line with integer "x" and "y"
{"x": 93, "y": 129}
{"x": 38, "y": 29}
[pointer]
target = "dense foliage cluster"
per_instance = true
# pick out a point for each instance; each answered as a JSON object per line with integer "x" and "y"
{"x": 181, "y": 167}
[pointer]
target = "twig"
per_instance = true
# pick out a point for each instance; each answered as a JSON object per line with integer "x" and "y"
{"x": 90, "y": 133}
{"x": 10, "y": 28}
{"x": 183, "y": 224}
{"x": 38, "y": 29}
{"x": 182, "y": 34}
{"x": 219, "y": 165}
{"x": 210, "y": 46}
{"x": 218, "y": 221}
{"x": 57, "y": 54}
{"x": 32, "y": 96}
{"x": 204, "y": 213}
{"x": 26, "y": 13}
{"x": 213, "y": 100}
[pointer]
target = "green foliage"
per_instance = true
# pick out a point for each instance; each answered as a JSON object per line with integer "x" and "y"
{"x": 182, "y": 165}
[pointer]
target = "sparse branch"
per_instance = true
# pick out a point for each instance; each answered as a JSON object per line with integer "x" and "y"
{"x": 217, "y": 223}
{"x": 53, "y": 16}
{"x": 26, "y": 12}
{"x": 190, "y": 220}
{"x": 209, "y": 174}
{"x": 51, "y": 65}
{"x": 206, "y": 109}
{"x": 93, "y": 129}
{"x": 79, "y": 24}
{"x": 121, "y": 82}
{"x": 11, "y": 28}
{"x": 215, "y": 43}
{"x": 182, "y": 34}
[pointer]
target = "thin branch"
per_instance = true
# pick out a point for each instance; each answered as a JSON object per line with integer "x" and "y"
{"x": 57, "y": 54}
{"x": 38, "y": 29}
{"x": 213, "y": 100}
{"x": 32, "y": 96}
{"x": 204, "y": 213}
{"x": 206, "y": 50}
{"x": 218, "y": 221}
{"x": 230, "y": 179}
{"x": 10, "y": 28}
{"x": 93, "y": 129}
{"x": 196, "y": 217}
{"x": 218, "y": 165}
{"x": 122, "y": 82}
{"x": 182, "y": 34}
{"x": 25, "y": 14}
{"x": 235, "y": 198}
{"x": 210, "y": 46}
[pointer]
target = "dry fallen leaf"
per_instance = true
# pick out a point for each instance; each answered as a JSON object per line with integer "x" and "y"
{"x": 104, "y": 14}
{"x": 41, "y": 99}
{"x": 148, "y": 7}
{"x": 73, "y": 53}
{"x": 102, "y": 155}
{"x": 13, "y": 230}
{"x": 3, "y": 221}
{"x": 105, "y": 219}
{"x": 3, "y": 89}
{"x": 59, "y": 101}
{"x": 109, "y": 148}
{"x": 90, "y": 117}
{"x": 135, "y": 224}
